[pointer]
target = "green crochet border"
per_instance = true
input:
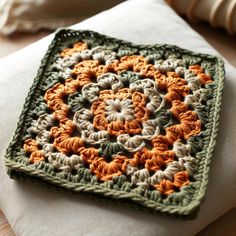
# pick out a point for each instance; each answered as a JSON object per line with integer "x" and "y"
{"x": 21, "y": 167}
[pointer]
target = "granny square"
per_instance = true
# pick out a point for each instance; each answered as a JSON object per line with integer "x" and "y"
{"x": 126, "y": 121}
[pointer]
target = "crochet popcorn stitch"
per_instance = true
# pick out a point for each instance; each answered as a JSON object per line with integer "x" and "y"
{"x": 127, "y": 121}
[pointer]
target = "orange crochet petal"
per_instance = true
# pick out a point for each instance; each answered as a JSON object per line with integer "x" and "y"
{"x": 78, "y": 47}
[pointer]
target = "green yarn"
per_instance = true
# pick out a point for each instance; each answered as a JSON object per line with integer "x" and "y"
{"x": 184, "y": 202}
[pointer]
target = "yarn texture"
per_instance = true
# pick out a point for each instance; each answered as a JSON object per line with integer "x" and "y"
{"x": 126, "y": 121}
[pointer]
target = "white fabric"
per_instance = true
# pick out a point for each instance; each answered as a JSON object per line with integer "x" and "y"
{"x": 35, "y": 210}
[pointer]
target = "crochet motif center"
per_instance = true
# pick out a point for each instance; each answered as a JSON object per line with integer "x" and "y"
{"x": 127, "y": 116}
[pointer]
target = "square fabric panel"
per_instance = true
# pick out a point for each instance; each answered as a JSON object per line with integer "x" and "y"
{"x": 122, "y": 120}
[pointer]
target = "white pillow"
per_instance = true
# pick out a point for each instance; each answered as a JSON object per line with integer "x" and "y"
{"x": 35, "y": 210}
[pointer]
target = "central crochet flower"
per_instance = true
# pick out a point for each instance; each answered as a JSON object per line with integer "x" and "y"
{"x": 119, "y": 112}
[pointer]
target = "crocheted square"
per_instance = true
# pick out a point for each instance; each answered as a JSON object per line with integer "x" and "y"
{"x": 127, "y": 121}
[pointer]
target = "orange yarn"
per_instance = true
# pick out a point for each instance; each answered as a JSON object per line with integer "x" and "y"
{"x": 31, "y": 146}
{"x": 154, "y": 159}
{"x": 120, "y": 127}
{"x": 78, "y": 47}
{"x": 167, "y": 187}
{"x": 205, "y": 79}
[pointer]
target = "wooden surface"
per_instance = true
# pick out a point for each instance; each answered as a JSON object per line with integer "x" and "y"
{"x": 5, "y": 228}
